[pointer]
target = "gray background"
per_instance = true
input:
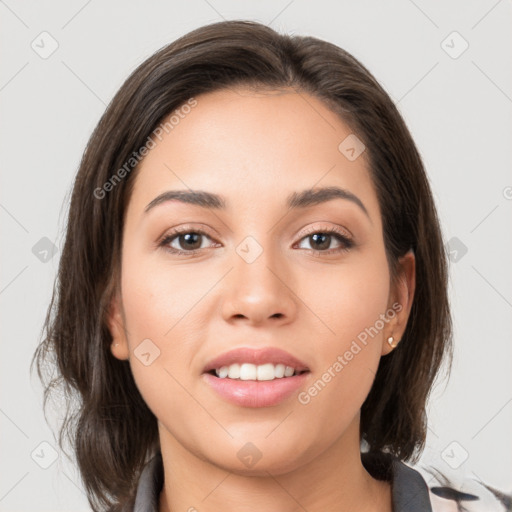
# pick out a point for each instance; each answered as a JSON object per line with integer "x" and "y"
{"x": 457, "y": 105}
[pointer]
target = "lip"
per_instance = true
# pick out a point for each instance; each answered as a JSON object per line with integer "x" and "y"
{"x": 254, "y": 393}
{"x": 256, "y": 356}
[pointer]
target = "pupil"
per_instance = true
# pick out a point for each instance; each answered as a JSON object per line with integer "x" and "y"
{"x": 189, "y": 237}
{"x": 324, "y": 236}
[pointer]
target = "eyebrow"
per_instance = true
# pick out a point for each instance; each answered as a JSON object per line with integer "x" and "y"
{"x": 296, "y": 200}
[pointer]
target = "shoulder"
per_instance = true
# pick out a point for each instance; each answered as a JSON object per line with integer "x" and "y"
{"x": 149, "y": 485}
{"x": 426, "y": 488}
{"x": 472, "y": 495}
{"x": 409, "y": 490}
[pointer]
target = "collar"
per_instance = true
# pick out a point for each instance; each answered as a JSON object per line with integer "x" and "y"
{"x": 410, "y": 492}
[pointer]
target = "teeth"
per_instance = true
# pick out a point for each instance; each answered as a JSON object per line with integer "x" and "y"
{"x": 247, "y": 371}
{"x": 234, "y": 371}
{"x": 288, "y": 371}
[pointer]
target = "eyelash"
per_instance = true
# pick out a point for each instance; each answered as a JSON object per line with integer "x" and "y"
{"x": 346, "y": 242}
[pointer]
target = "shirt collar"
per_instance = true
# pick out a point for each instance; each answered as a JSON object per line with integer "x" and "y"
{"x": 409, "y": 490}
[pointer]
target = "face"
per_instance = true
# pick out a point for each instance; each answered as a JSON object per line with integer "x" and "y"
{"x": 310, "y": 279}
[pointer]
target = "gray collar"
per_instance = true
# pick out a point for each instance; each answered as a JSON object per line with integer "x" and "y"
{"x": 409, "y": 491}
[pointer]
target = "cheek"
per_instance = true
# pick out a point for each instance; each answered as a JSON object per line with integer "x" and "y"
{"x": 162, "y": 305}
{"x": 155, "y": 303}
{"x": 350, "y": 298}
{"x": 156, "y": 296}
{"x": 351, "y": 301}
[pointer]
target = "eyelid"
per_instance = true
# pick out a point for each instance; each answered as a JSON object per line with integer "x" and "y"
{"x": 187, "y": 228}
{"x": 316, "y": 229}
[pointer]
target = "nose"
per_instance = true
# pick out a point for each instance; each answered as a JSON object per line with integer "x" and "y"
{"x": 259, "y": 291}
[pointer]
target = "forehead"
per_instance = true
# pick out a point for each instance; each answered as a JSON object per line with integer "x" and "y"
{"x": 253, "y": 147}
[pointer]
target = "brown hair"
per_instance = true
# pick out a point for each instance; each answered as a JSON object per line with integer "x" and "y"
{"x": 111, "y": 429}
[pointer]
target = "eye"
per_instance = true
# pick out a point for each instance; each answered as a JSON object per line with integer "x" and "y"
{"x": 185, "y": 238}
{"x": 322, "y": 239}
{"x": 186, "y": 241}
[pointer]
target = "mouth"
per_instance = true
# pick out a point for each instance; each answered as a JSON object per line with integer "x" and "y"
{"x": 246, "y": 363}
{"x": 256, "y": 393}
{"x": 262, "y": 377}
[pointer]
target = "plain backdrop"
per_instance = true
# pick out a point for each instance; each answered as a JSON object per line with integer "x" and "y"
{"x": 447, "y": 67}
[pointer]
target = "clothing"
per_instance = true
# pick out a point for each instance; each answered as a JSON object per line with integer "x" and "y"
{"x": 410, "y": 493}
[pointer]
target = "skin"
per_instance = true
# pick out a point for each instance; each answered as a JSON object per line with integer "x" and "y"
{"x": 255, "y": 148}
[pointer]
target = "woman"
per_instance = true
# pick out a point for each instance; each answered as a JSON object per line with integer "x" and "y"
{"x": 252, "y": 296}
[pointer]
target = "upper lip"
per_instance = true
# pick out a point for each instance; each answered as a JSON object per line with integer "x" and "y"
{"x": 257, "y": 357}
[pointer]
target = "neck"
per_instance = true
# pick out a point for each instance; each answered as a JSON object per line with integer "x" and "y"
{"x": 335, "y": 480}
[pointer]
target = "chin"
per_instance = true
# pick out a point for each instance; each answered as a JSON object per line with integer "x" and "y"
{"x": 262, "y": 456}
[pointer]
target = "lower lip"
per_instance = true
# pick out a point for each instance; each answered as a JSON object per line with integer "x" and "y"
{"x": 256, "y": 393}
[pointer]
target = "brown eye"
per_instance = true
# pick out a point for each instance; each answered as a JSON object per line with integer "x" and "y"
{"x": 184, "y": 242}
{"x": 189, "y": 241}
{"x": 322, "y": 239}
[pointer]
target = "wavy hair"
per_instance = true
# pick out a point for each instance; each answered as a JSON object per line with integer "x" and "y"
{"x": 111, "y": 430}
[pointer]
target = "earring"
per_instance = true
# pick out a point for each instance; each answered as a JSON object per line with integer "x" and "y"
{"x": 392, "y": 342}
{"x": 116, "y": 344}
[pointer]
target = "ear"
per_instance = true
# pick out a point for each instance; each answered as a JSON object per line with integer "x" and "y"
{"x": 116, "y": 324}
{"x": 400, "y": 301}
